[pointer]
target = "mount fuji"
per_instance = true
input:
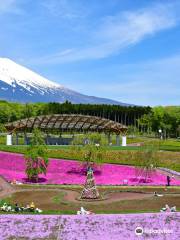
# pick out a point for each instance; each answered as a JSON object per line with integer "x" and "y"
{"x": 18, "y": 83}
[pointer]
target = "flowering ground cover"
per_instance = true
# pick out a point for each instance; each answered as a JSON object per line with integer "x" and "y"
{"x": 155, "y": 226}
{"x": 12, "y": 166}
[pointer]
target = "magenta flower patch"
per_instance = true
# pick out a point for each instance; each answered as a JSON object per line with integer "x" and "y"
{"x": 12, "y": 166}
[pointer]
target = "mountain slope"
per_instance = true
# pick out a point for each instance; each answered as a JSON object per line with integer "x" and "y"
{"x": 18, "y": 83}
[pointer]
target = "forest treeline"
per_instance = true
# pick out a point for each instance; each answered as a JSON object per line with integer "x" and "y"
{"x": 138, "y": 118}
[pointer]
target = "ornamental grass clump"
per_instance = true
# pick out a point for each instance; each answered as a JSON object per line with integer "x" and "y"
{"x": 36, "y": 157}
{"x": 93, "y": 156}
{"x": 91, "y": 150}
{"x": 146, "y": 163}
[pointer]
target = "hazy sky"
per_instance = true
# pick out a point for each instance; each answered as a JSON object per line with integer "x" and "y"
{"x": 127, "y": 50}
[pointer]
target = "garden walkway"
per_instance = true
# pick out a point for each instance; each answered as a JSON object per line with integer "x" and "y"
{"x": 5, "y": 188}
{"x": 69, "y": 195}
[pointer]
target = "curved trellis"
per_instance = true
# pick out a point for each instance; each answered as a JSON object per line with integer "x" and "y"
{"x": 67, "y": 122}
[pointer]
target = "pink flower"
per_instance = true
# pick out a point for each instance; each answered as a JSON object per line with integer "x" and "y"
{"x": 60, "y": 171}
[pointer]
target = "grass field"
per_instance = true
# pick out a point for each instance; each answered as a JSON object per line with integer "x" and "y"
{"x": 168, "y": 145}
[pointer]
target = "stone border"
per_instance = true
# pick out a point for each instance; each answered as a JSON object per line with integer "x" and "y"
{"x": 169, "y": 171}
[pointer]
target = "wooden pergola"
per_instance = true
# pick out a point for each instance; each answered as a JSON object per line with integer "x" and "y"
{"x": 67, "y": 123}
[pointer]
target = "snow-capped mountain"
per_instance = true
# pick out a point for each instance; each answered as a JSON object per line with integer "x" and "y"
{"x": 18, "y": 83}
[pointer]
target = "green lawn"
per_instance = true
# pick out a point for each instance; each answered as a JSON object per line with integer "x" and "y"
{"x": 166, "y": 145}
{"x": 169, "y": 144}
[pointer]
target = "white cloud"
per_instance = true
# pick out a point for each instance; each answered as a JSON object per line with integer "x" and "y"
{"x": 61, "y": 8}
{"x": 9, "y": 6}
{"x": 117, "y": 32}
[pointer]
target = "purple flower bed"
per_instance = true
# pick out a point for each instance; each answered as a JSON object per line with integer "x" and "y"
{"x": 28, "y": 227}
{"x": 155, "y": 226}
{"x": 12, "y": 166}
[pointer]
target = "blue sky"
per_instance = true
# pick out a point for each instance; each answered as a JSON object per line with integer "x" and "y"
{"x": 127, "y": 50}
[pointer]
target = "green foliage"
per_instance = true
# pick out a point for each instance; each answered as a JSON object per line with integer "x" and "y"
{"x": 91, "y": 148}
{"x": 165, "y": 118}
{"x": 147, "y": 161}
{"x": 147, "y": 158}
{"x": 90, "y": 138}
{"x": 132, "y": 130}
{"x": 10, "y": 111}
{"x": 94, "y": 138}
{"x": 93, "y": 154}
{"x": 2, "y": 128}
{"x": 36, "y": 157}
{"x": 78, "y": 139}
{"x": 37, "y": 137}
{"x": 142, "y": 119}
{"x": 59, "y": 198}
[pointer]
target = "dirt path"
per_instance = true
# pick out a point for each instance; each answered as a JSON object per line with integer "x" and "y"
{"x": 64, "y": 198}
{"x": 45, "y": 195}
{"x": 5, "y": 188}
{"x": 69, "y": 195}
{"x": 109, "y": 197}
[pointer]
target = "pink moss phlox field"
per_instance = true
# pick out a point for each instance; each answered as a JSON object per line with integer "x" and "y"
{"x": 12, "y": 166}
{"x": 156, "y": 226}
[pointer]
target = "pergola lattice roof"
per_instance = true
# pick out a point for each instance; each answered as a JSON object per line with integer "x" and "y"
{"x": 66, "y": 122}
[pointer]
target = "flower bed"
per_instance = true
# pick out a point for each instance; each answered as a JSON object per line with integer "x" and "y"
{"x": 12, "y": 166}
{"x": 98, "y": 227}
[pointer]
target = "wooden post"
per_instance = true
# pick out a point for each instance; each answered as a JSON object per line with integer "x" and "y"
{"x": 117, "y": 140}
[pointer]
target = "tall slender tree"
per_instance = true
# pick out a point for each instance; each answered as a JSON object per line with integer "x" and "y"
{"x": 36, "y": 157}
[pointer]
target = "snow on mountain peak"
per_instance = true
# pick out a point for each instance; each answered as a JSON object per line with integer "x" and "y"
{"x": 13, "y": 73}
{"x": 17, "y": 83}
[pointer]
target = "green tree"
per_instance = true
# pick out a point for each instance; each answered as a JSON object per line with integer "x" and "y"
{"x": 89, "y": 138}
{"x": 91, "y": 148}
{"x": 2, "y": 128}
{"x": 146, "y": 122}
{"x": 36, "y": 157}
{"x": 93, "y": 155}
